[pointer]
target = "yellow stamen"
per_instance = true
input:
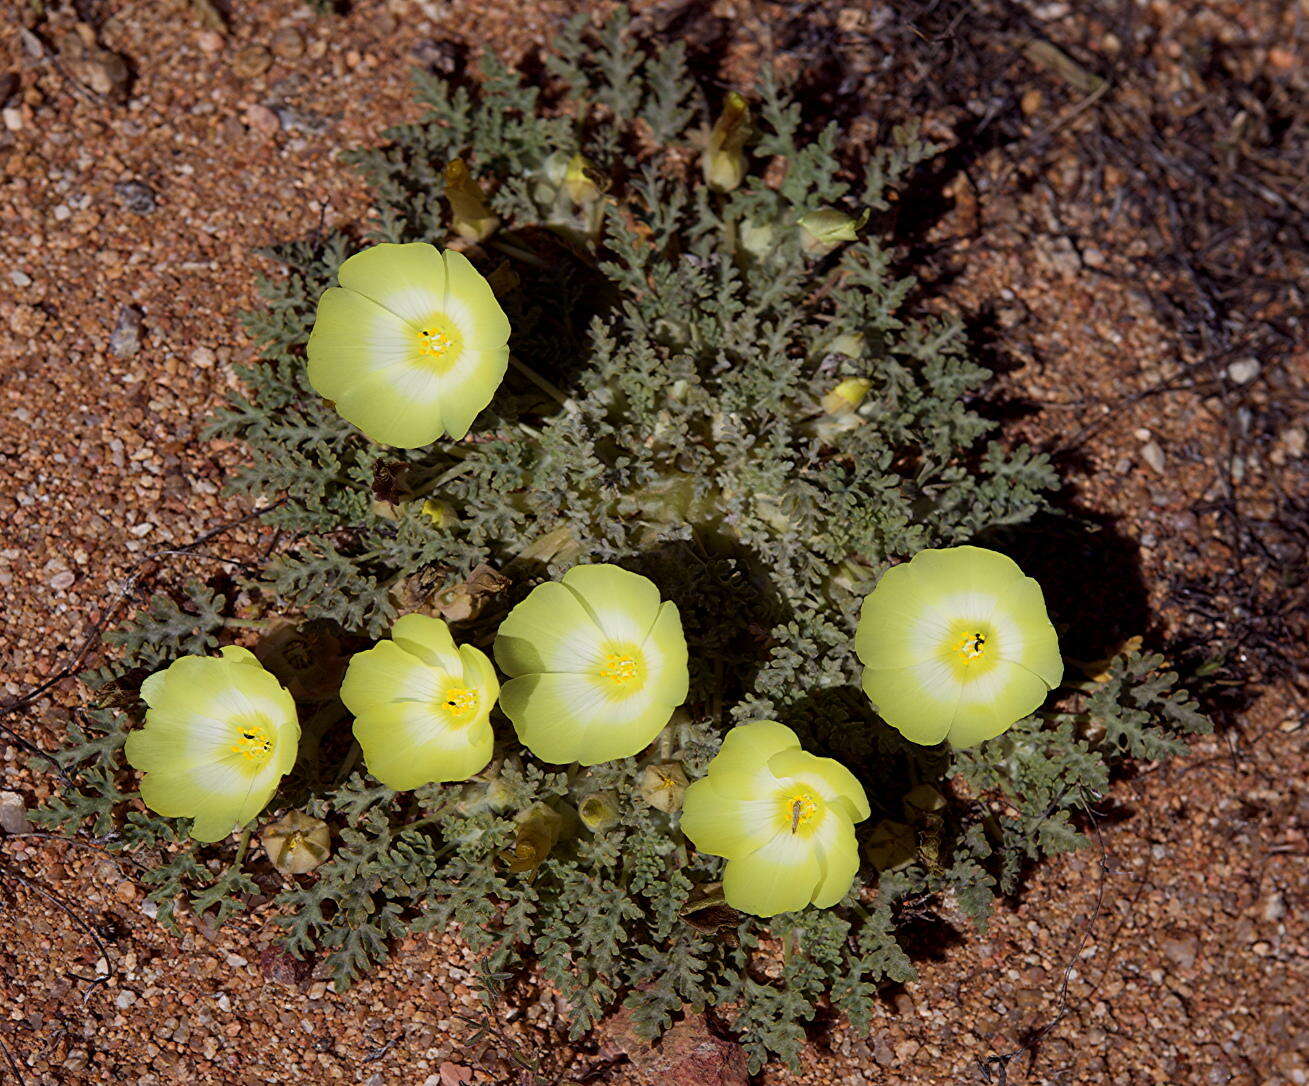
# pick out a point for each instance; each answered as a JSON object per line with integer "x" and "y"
{"x": 972, "y": 646}
{"x": 253, "y": 742}
{"x": 461, "y": 701}
{"x": 619, "y": 668}
{"x": 435, "y": 342}
{"x": 801, "y": 807}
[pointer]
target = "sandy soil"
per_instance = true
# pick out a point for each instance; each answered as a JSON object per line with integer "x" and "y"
{"x": 1175, "y": 951}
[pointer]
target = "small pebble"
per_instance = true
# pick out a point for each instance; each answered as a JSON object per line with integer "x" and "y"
{"x": 126, "y": 338}
{"x": 210, "y": 42}
{"x": 1153, "y": 455}
{"x": 13, "y": 813}
{"x": 26, "y": 320}
{"x": 262, "y": 119}
{"x": 63, "y": 579}
{"x": 1274, "y": 907}
{"x": 105, "y": 72}
{"x": 20, "y": 278}
{"x": 287, "y": 43}
{"x": 203, "y": 357}
{"x": 1243, "y": 370}
{"x": 454, "y": 1074}
{"x": 136, "y": 196}
{"x": 251, "y": 61}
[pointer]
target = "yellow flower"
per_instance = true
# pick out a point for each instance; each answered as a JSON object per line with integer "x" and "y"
{"x": 784, "y": 820}
{"x": 724, "y": 157}
{"x": 956, "y": 645}
{"x": 220, "y": 732}
{"x": 599, "y": 665}
{"x": 422, "y": 706}
{"x": 410, "y": 346}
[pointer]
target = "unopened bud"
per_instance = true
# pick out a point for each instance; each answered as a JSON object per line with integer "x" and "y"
{"x": 498, "y": 794}
{"x": 850, "y": 344}
{"x": 440, "y": 513}
{"x": 846, "y": 396}
{"x": 823, "y": 230}
{"x": 470, "y": 216}
{"x": 757, "y": 238}
{"x": 724, "y": 157}
{"x": 598, "y": 811}
{"x": 538, "y": 831}
{"x": 662, "y": 786}
{"x": 297, "y": 843}
{"x": 581, "y": 179}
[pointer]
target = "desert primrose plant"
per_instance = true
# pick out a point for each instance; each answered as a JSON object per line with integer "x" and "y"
{"x": 758, "y": 431}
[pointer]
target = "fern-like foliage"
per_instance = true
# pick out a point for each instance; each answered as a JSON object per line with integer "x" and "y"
{"x": 674, "y": 346}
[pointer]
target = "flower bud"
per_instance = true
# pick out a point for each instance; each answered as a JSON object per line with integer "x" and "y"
{"x": 757, "y": 239}
{"x": 297, "y": 843}
{"x": 470, "y": 217}
{"x": 538, "y": 832}
{"x": 724, "y": 157}
{"x": 850, "y": 344}
{"x": 846, "y": 396}
{"x": 598, "y": 811}
{"x": 575, "y": 175}
{"x": 498, "y": 794}
{"x": 662, "y": 786}
{"x": 582, "y": 181}
{"x": 440, "y": 513}
{"x": 823, "y": 230}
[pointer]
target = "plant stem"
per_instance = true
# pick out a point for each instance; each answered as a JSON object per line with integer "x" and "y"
{"x": 536, "y": 379}
{"x": 241, "y": 848}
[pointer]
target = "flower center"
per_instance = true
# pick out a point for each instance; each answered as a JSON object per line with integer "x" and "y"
{"x": 439, "y": 343}
{"x": 253, "y": 742}
{"x": 970, "y": 649}
{"x": 971, "y": 646}
{"x": 619, "y": 668}
{"x": 460, "y": 701}
{"x": 799, "y": 808}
